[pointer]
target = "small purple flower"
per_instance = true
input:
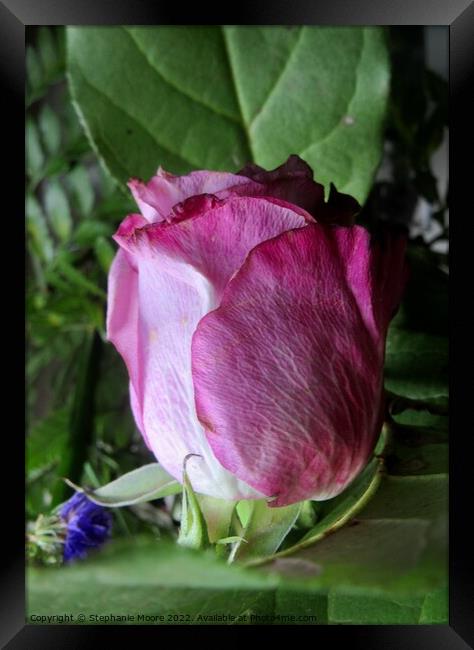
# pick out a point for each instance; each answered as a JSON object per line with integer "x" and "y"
{"x": 88, "y": 526}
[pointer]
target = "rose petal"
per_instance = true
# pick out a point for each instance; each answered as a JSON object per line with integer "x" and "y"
{"x": 182, "y": 268}
{"x": 212, "y": 235}
{"x": 293, "y": 182}
{"x": 163, "y": 191}
{"x": 122, "y": 322}
{"x": 288, "y": 370}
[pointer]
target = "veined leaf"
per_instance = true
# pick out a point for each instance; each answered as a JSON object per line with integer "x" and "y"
{"x": 230, "y": 95}
{"x": 166, "y": 584}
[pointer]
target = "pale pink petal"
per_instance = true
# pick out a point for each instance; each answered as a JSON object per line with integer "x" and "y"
{"x": 213, "y": 235}
{"x": 182, "y": 268}
{"x": 288, "y": 370}
{"x": 291, "y": 182}
{"x": 122, "y": 323}
{"x": 163, "y": 191}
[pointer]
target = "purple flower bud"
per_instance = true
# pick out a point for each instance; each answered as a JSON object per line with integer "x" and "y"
{"x": 88, "y": 526}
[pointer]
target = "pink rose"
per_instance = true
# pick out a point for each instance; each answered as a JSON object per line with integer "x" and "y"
{"x": 253, "y": 329}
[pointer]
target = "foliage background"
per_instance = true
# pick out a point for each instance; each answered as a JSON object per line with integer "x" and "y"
{"x": 78, "y": 415}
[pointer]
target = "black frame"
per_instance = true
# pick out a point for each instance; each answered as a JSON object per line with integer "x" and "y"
{"x": 15, "y": 15}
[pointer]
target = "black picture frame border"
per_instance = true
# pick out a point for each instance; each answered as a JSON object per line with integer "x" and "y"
{"x": 15, "y": 16}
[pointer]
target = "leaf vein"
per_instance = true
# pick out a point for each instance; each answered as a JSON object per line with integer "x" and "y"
{"x": 237, "y": 96}
{"x": 100, "y": 92}
{"x": 180, "y": 90}
{"x": 279, "y": 78}
{"x": 346, "y": 110}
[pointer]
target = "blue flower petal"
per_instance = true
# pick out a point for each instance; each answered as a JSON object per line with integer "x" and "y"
{"x": 88, "y": 526}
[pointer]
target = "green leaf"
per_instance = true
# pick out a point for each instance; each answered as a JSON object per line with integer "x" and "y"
{"x": 57, "y": 209}
{"x": 143, "y": 484}
{"x": 46, "y": 448}
{"x": 256, "y": 93}
{"x": 104, "y": 252}
{"x": 38, "y": 230}
{"x": 143, "y": 576}
{"x": 47, "y": 50}
{"x": 76, "y": 277}
{"x": 82, "y": 192}
{"x": 438, "y": 405}
{"x": 89, "y": 230}
{"x": 435, "y": 607}
{"x": 50, "y": 129}
{"x": 376, "y": 609}
{"x": 416, "y": 364}
{"x": 336, "y": 512}
{"x": 46, "y": 443}
{"x": 81, "y": 417}
{"x": 182, "y": 587}
{"x": 34, "y": 151}
{"x": 377, "y": 555}
{"x": 265, "y": 530}
{"x": 34, "y": 73}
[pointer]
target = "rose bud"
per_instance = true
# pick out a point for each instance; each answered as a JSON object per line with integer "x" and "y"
{"x": 252, "y": 318}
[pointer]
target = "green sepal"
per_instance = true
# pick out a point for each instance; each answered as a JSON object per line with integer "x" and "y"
{"x": 193, "y": 531}
{"x": 231, "y": 540}
{"x": 143, "y": 484}
{"x": 218, "y": 515}
{"x": 265, "y": 529}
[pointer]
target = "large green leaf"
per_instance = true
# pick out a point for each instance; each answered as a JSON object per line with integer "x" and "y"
{"x": 219, "y": 97}
{"x": 416, "y": 363}
{"x": 167, "y": 584}
{"x": 152, "y": 578}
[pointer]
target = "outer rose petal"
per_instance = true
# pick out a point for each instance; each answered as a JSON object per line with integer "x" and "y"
{"x": 213, "y": 236}
{"x": 182, "y": 268}
{"x": 163, "y": 191}
{"x": 122, "y": 322}
{"x": 291, "y": 182}
{"x": 288, "y": 370}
